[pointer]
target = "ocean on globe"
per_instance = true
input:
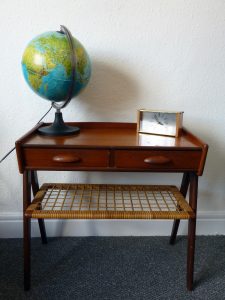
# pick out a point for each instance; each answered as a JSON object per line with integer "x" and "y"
{"x": 47, "y": 66}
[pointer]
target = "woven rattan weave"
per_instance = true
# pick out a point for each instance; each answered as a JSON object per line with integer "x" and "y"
{"x": 94, "y": 201}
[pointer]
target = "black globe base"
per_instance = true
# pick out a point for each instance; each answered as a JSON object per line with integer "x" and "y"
{"x": 58, "y": 127}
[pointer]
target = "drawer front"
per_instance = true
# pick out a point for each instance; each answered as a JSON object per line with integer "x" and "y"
{"x": 65, "y": 158}
{"x": 158, "y": 160}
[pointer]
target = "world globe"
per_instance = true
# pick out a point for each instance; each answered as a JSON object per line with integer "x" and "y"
{"x": 47, "y": 67}
{"x": 57, "y": 67}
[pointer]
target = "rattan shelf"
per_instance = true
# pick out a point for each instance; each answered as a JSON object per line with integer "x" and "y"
{"x": 97, "y": 201}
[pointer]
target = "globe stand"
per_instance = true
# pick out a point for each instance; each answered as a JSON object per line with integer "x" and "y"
{"x": 58, "y": 127}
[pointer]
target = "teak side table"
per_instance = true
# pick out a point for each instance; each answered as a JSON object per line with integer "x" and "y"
{"x": 110, "y": 147}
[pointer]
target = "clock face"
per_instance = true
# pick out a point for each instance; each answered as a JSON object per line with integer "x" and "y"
{"x": 161, "y": 123}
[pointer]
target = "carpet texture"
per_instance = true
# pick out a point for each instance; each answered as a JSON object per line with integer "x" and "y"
{"x": 113, "y": 268}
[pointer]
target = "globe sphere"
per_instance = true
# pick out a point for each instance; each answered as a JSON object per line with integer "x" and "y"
{"x": 47, "y": 66}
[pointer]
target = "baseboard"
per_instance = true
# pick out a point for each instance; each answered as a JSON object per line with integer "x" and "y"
{"x": 208, "y": 223}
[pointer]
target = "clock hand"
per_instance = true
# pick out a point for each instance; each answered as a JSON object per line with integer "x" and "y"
{"x": 157, "y": 120}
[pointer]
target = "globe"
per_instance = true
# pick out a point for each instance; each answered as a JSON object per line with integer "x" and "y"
{"x": 47, "y": 67}
{"x": 57, "y": 67}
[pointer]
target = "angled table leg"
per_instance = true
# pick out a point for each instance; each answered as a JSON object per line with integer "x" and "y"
{"x": 26, "y": 228}
{"x": 183, "y": 189}
{"x": 193, "y": 193}
{"x": 41, "y": 222}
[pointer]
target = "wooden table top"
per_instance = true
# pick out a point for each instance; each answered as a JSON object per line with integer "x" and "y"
{"x": 109, "y": 135}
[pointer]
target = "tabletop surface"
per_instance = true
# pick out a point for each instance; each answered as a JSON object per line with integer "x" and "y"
{"x": 99, "y": 134}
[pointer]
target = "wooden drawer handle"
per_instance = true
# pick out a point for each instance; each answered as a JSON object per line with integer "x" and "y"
{"x": 66, "y": 158}
{"x": 157, "y": 160}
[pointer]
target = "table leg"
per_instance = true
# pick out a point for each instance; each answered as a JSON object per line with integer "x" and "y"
{"x": 26, "y": 228}
{"x": 193, "y": 193}
{"x": 183, "y": 189}
{"x": 41, "y": 222}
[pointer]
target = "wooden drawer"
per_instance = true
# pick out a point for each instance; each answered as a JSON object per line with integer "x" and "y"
{"x": 65, "y": 158}
{"x": 158, "y": 160}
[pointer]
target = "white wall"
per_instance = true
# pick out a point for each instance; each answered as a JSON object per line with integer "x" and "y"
{"x": 155, "y": 54}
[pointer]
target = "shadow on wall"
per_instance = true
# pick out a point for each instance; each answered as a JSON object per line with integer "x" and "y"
{"x": 213, "y": 190}
{"x": 110, "y": 94}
